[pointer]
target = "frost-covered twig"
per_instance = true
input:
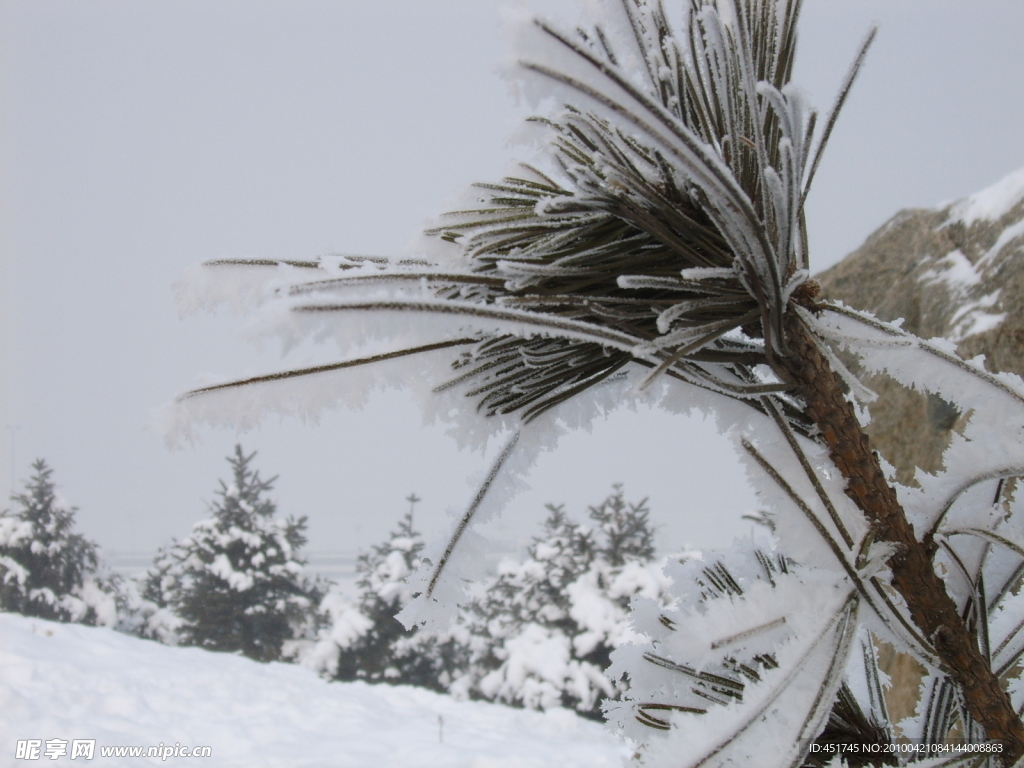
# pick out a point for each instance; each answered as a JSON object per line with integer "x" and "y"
{"x": 467, "y": 518}
{"x": 910, "y": 340}
{"x": 870, "y": 588}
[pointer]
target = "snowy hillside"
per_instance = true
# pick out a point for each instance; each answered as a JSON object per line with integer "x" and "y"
{"x": 67, "y": 681}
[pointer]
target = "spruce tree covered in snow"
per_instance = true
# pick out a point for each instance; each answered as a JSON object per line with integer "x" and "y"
{"x": 236, "y": 582}
{"x": 364, "y": 640}
{"x": 543, "y": 633}
{"x": 46, "y": 569}
{"x": 627, "y": 531}
{"x": 659, "y": 252}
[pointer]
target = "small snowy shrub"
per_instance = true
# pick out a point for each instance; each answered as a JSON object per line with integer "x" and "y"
{"x": 46, "y": 570}
{"x": 236, "y": 582}
{"x": 657, "y": 252}
{"x": 362, "y": 640}
{"x": 543, "y": 633}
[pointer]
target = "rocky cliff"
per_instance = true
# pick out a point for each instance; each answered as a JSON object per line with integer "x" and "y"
{"x": 956, "y": 272}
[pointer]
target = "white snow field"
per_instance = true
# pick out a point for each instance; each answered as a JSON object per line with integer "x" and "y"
{"x": 68, "y": 681}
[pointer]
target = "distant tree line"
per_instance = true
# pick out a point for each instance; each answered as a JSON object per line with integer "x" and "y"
{"x": 538, "y": 633}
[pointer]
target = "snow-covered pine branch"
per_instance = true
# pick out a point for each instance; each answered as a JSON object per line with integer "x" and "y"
{"x": 659, "y": 252}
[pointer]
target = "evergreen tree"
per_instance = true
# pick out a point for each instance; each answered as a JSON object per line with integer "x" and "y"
{"x": 621, "y": 568}
{"x": 364, "y": 641}
{"x": 535, "y": 589}
{"x": 236, "y": 583}
{"x": 383, "y": 593}
{"x": 46, "y": 570}
{"x": 626, "y": 528}
{"x": 544, "y": 631}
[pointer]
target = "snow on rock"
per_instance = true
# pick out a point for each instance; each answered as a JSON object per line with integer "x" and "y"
{"x": 950, "y": 272}
{"x": 70, "y": 681}
{"x": 954, "y": 269}
{"x": 954, "y": 272}
{"x": 991, "y": 203}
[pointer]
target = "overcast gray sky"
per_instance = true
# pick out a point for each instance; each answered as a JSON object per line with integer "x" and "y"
{"x": 139, "y": 138}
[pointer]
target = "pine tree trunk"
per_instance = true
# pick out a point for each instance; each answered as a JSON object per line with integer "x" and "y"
{"x": 914, "y": 577}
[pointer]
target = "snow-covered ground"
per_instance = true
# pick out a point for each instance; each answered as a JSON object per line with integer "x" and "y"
{"x": 68, "y": 681}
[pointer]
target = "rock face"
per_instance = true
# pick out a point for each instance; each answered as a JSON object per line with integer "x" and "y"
{"x": 955, "y": 272}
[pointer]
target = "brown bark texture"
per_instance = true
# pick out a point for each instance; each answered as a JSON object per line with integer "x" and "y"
{"x": 913, "y": 573}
